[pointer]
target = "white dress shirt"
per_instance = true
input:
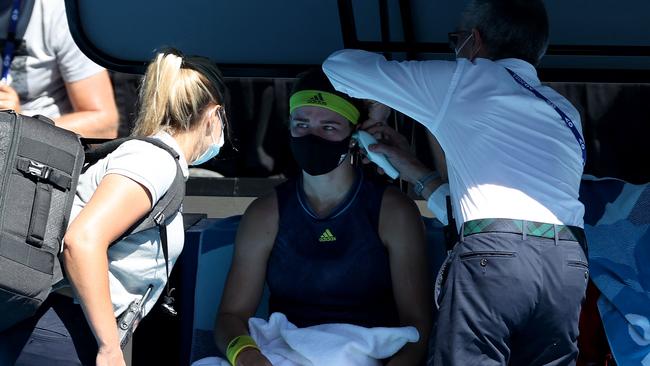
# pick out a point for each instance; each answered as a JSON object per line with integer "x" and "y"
{"x": 509, "y": 154}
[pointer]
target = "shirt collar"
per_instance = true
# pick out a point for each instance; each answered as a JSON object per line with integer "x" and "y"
{"x": 521, "y": 68}
{"x": 170, "y": 141}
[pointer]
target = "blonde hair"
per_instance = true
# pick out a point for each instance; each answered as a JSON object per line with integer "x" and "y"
{"x": 175, "y": 91}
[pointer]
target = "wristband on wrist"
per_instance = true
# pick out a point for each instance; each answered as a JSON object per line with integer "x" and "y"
{"x": 421, "y": 183}
{"x": 237, "y": 345}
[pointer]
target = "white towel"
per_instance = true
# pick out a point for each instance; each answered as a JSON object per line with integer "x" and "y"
{"x": 322, "y": 345}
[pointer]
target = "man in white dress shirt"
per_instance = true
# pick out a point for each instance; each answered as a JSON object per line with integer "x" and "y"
{"x": 515, "y": 154}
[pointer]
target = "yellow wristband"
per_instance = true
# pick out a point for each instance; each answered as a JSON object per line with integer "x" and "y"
{"x": 237, "y": 345}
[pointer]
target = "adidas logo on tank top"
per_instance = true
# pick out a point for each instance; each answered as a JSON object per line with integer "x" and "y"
{"x": 327, "y": 236}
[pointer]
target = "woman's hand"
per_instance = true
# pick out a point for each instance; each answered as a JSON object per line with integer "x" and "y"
{"x": 252, "y": 357}
{"x": 110, "y": 356}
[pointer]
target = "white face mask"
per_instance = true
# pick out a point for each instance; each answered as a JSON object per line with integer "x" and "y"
{"x": 211, "y": 152}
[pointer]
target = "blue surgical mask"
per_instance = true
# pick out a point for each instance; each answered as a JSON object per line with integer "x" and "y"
{"x": 211, "y": 152}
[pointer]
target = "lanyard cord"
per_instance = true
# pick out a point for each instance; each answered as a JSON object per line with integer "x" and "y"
{"x": 563, "y": 115}
{"x": 10, "y": 43}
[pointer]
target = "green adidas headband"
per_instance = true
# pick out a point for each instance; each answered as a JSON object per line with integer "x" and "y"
{"x": 326, "y": 100}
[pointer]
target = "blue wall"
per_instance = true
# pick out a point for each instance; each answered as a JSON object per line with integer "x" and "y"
{"x": 306, "y": 31}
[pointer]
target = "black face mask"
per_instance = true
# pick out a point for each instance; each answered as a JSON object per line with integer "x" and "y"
{"x": 318, "y": 156}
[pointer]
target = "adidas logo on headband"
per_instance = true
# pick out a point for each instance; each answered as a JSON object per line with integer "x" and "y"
{"x": 327, "y": 100}
{"x": 317, "y": 99}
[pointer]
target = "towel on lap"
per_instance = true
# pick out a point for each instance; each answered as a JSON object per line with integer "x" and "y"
{"x": 322, "y": 345}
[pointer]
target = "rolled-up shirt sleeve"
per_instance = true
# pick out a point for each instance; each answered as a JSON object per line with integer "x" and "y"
{"x": 419, "y": 89}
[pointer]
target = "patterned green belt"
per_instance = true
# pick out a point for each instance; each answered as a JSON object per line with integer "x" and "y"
{"x": 532, "y": 228}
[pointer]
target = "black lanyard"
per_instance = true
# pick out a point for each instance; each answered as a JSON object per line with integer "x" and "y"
{"x": 10, "y": 43}
{"x": 563, "y": 115}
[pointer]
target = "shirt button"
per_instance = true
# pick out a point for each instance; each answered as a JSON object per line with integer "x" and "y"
{"x": 484, "y": 262}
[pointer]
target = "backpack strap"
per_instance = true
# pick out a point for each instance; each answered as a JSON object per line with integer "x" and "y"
{"x": 105, "y": 147}
{"x": 167, "y": 205}
{"x": 170, "y": 202}
{"x": 162, "y": 211}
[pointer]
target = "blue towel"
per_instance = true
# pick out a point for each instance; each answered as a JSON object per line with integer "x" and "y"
{"x": 617, "y": 224}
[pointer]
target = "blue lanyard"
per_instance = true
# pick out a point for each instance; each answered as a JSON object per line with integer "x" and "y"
{"x": 563, "y": 115}
{"x": 10, "y": 43}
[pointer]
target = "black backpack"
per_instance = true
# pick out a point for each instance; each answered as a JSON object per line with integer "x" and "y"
{"x": 40, "y": 166}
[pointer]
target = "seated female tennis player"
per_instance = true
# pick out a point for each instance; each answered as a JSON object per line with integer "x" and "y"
{"x": 333, "y": 246}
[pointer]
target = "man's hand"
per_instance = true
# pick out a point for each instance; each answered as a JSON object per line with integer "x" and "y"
{"x": 397, "y": 150}
{"x": 9, "y": 98}
{"x": 110, "y": 356}
{"x": 252, "y": 357}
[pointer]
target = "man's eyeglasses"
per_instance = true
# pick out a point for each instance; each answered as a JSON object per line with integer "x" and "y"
{"x": 455, "y": 38}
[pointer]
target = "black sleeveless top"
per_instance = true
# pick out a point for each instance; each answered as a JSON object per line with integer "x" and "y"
{"x": 333, "y": 269}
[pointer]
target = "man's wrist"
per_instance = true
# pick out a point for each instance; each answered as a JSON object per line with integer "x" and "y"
{"x": 424, "y": 181}
{"x": 415, "y": 171}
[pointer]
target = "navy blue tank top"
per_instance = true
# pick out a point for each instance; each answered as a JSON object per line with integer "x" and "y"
{"x": 333, "y": 269}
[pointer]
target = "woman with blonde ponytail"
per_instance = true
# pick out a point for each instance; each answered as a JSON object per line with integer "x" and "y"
{"x": 182, "y": 105}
